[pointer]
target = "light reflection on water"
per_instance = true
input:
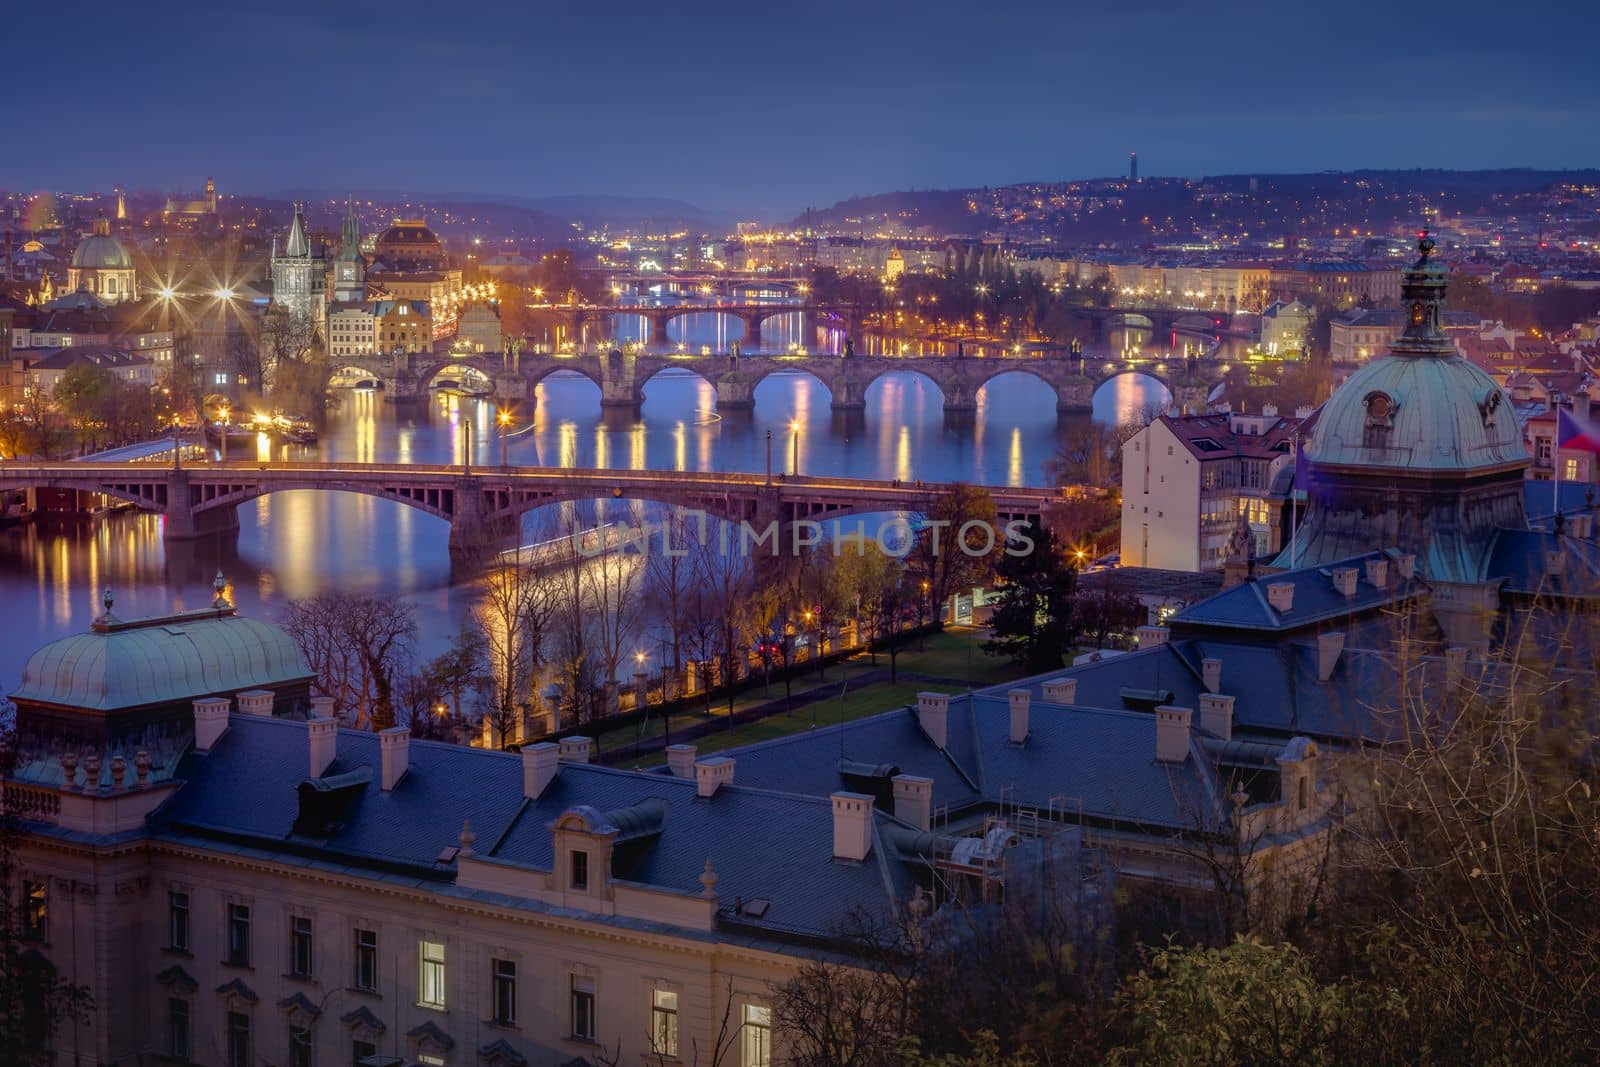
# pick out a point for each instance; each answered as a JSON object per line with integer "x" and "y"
{"x": 294, "y": 543}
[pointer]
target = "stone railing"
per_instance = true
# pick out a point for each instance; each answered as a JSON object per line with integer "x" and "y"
{"x": 32, "y": 801}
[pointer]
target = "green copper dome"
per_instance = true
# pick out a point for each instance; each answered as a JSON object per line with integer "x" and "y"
{"x": 1422, "y": 408}
{"x": 101, "y": 252}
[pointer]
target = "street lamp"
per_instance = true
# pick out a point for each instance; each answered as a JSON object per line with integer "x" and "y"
{"x": 794, "y": 459}
{"x": 769, "y": 457}
{"x": 504, "y": 419}
{"x": 227, "y": 418}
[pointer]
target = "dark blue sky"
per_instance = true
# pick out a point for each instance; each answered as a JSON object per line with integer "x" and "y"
{"x": 771, "y": 106}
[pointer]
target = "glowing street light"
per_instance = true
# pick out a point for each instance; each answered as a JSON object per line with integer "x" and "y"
{"x": 503, "y": 417}
{"x": 794, "y": 461}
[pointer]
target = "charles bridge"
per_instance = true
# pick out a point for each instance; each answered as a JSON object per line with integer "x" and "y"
{"x": 484, "y": 504}
{"x": 622, "y": 375}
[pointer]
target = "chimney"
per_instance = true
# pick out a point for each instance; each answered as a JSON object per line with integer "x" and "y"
{"x": 680, "y": 760}
{"x": 913, "y": 800}
{"x": 1378, "y": 573}
{"x": 1303, "y": 411}
{"x": 1407, "y": 566}
{"x": 1281, "y": 596}
{"x": 322, "y": 708}
{"x": 1211, "y": 674}
{"x": 1580, "y": 526}
{"x": 1216, "y": 715}
{"x": 1020, "y": 699}
{"x": 1455, "y": 663}
{"x": 394, "y": 745}
{"x": 576, "y": 749}
{"x": 1580, "y": 405}
{"x": 1269, "y": 410}
{"x": 852, "y": 826}
{"x": 711, "y": 774}
{"x": 256, "y": 702}
{"x": 1061, "y": 691}
{"x": 933, "y": 715}
{"x": 323, "y": 734}
{"x": 1344, "y": 580}
{"x": 1172, "y": 734}
{"x": 540, "y": 764}
{"x": 210, "y": 722}
{"x": 1297, "y": 773}
{"x": 1152, "y": 636}
{"x": 1329, "y": 647}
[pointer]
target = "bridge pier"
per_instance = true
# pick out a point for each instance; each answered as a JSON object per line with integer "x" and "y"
{"x": 1075, "y": 396}
{"x": 182, "y": 521}
{"x": 512, "y": 387}
{"x": 735, "y": 393}
{"x": 474, "y": 533}
{"x": 752, "y": 333}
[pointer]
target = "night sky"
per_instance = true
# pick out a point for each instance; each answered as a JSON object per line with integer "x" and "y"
{"x": 768, "y": 107}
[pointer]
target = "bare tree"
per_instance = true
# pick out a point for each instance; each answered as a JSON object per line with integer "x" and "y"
{"x": 611, "y": 586}
{"x": 356, "y": 643}
{"x": 514, "y": 618}
{"x": 668, "y": 575}
{"x": 956, "y": 547}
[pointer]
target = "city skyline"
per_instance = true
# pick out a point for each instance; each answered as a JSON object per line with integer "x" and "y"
{"x": 760, "y": 113}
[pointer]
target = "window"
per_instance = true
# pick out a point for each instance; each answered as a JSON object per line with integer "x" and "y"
{"x": 360, "y": 1050}
{"x": 299, "y": 1047}
{"x": 238, "y": 1039}
{"x": 1570, "y": 471}
{"x": 664, "y": 1022}
{"x": 300, "y": 946}
{"x": 35, "y": 911}
{"x": 366, "y": 976}
{"x": 239, "y": 935}
{"x": 505, "y": 991}
{"x": 756, "y": 1036}
{"x": 431, "y": 984}
{"x": 431, "y": 1061}
{"x": 583, "y": 1008}
{"x": 178, "y": 1029}
{"x": 580, "y": 869}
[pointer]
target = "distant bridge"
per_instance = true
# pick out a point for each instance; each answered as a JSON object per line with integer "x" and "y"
{"x": 622, "y": 376}
{"x": 484, "y": 505}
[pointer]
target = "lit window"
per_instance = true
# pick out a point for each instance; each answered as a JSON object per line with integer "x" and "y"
{"x": 664, "y": 1022}
{"x": 432, "y": 979}
{"x": 300, "y": 946}
{"x": 1570, "y": 469}
{"x": 756, "y": 1043}
{"x": 583, "y": 1008}
{"x": 35, "y": 911}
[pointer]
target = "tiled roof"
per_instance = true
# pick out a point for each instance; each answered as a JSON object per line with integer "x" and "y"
{"x": 1246, "y": 606}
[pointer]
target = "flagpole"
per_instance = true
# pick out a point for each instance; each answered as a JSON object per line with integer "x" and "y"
{"x": 1294, "y": 508}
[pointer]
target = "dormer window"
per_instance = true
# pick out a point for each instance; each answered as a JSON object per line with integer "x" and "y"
{"x": 580, "y": 869}
{"x": 1380, "y": 420}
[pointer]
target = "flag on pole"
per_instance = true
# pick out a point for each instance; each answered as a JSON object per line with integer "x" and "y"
{"x": 1575, "y": 434}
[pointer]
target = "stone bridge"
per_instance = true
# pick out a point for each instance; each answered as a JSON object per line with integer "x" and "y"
{"x": 622, "y": 376}
{"x": 484, "y": 505}
{"x": 751, "y": 314}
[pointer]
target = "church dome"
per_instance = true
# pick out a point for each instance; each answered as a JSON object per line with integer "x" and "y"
{"x": 1422, "y": 408}
{"x": 101, "y": 252}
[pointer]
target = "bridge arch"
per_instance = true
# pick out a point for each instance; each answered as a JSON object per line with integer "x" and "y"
{"x": 880, "y": 373}
{"x": 792, "y": 370}
{"x": 433, "y": 502}
{"x": 538, "y": 371}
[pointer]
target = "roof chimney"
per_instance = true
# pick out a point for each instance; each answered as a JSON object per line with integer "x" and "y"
{"x": 1152, "y": 636}
{"x": 1172, "y": 734}
{"x": 711, "y": 774}
{"x": 680, "y": 760}
{"x": 1211, "y": 674}
{"x": 1216, "y": 715}
{"x": 394, "y": 745}
{"x": 1281, "y": 596}
{"x": 1020, "y": 699}
{"x": 1061, "y": 691}
{"x": 323, "y": 734}
{"x": 1407, "y": 566}
{"x": 322, "y": 708}
{"x": 852, "y": 826}
{"x": 1329, "y": 647}
{"x": 210, "y": 722}
{"x": 1378, "y": 573}
{"x": 933, "y": 715}
{"x": 913, "y": 800}
{"x": 256, "y": 702}
{"x": 576, "y": 749}
{"x": 1344, "y": 580}
{"x": 540, "y": 764}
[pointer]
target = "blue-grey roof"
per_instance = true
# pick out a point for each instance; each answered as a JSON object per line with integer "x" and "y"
{"x": 1245, "y": 607}
{"x": 762, "y": 844}
{"x": 1095, "y": 763}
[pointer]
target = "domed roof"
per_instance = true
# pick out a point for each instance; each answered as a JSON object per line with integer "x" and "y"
{"x": 407, "y": 232}
{"x": 1431, "y": 414}
{"x": 101, "y": 252}
{"x": 1422, "y": 408}
{"x": 160, "y": 660}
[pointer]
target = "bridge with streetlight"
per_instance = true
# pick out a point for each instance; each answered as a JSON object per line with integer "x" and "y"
{"x": 484, "y": 505}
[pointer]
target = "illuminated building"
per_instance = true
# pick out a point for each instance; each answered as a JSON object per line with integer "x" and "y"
{"x": 102, "y": 267}
{"x": 349, "y": 273}
{"x": 402, "y": 326}
{"x": 193, "y": 212}
{"x": 351, "y": 331}
{"x": 299, "y": 274}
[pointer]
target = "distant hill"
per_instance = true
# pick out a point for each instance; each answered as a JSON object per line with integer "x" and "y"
{"x": 1163, "y": 209}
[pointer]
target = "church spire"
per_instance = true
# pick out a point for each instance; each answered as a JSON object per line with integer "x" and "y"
{"x": 298, "y": 245}
{"x": 1422, "y": 289}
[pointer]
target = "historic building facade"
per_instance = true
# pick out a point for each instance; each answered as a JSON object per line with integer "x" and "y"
{"x": 102, "y": 267}
{"x": 299, "y": 274}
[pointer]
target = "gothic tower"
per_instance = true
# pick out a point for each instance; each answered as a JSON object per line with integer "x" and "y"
{"x": 349, "y": 269}
{"x": 299, "y": 275}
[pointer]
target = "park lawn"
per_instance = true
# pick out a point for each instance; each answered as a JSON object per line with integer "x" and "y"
{"x": 956, "y": 652}
{"x": 856, "y": 704}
